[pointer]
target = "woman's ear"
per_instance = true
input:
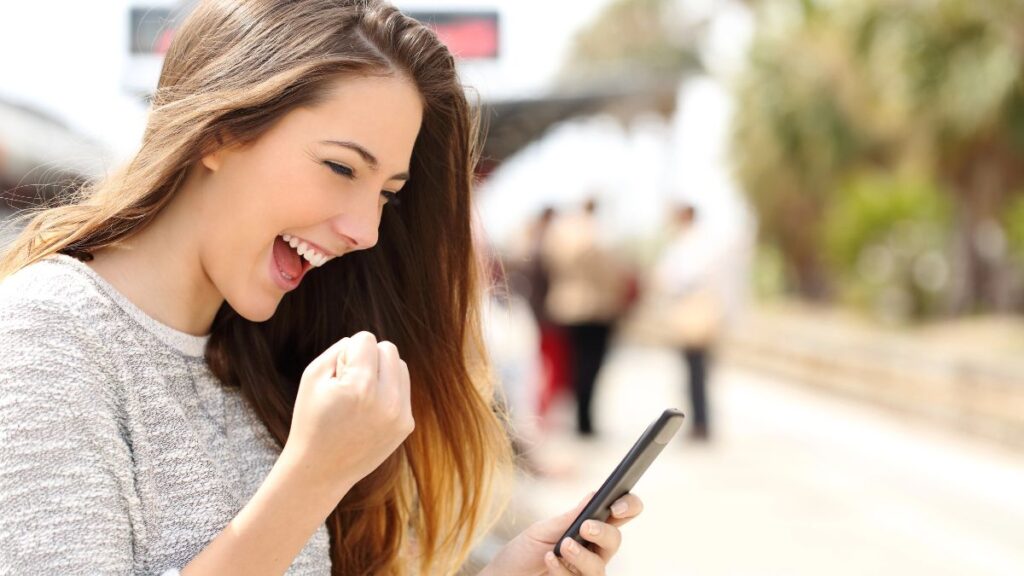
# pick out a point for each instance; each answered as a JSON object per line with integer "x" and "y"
{"x": 213, "y": 158}
{"x": 212, "y": 161}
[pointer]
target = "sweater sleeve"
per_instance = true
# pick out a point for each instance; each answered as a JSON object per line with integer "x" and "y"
{"x": 65, "y": 466}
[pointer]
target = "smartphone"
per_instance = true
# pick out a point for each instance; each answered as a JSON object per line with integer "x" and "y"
{"x": 626, "y": 474}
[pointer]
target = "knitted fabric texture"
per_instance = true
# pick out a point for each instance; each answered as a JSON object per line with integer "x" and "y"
{"x": 120, "y": 452}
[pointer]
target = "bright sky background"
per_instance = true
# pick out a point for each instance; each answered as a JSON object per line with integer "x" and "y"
{"x": 70, "y": 58}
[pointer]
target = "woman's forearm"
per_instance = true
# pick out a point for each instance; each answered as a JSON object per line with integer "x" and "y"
{"x": 273, "y": 527}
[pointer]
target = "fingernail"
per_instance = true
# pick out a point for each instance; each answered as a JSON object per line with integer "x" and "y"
{"x": 620, "y": 508}
{"x": 569, "y": 545}
{"x": 593, "y": 528}
{"x": 550, "y": 557}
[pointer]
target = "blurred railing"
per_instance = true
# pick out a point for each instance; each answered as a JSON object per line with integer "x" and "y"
{"x": 968, "y": 376}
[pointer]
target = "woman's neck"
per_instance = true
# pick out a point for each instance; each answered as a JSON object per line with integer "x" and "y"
{"x": 159, "y": 270}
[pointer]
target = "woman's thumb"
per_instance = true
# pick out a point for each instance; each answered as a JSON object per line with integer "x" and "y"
{"x": 552, "y": 528}
{"x": 325, "y": 365}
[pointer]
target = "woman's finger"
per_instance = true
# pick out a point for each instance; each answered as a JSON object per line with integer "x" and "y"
{"x": 404, "y": 379}
{"x": 359, "y": 363}
{"x": 584, "y": 561}
{"x": 362, "y": 351}
{"x": 555, "y": 566}
{"x": 328, "y": 363}
{"x": 625, "y": 509}
{"x": 388, "y": 368}
{"x": 606, "y": 537}
{"x": 389, "y": 372}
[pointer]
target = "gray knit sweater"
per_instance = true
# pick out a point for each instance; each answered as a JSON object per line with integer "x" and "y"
{"x": 120, "y": 453}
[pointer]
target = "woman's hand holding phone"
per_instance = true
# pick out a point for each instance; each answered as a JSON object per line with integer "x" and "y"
{"x": 587, "y": 537}
{"x": 351, "y": 412}
{"x": 530, "y": 553}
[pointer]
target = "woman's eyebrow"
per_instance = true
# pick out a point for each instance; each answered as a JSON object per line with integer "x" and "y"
{"x": 367, "y": 156}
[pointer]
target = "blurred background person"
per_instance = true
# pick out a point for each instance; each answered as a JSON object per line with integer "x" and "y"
{"x": 685, "y": 276}
{"x": 513, "y": 343}
{"x": 587, "y": 293}
{"x": 528, "y": 276}
{"x": 555, "y": 349}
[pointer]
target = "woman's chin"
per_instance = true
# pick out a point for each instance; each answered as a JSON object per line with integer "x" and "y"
{"x": 261, "y": 316}
{"x": 258, "y": 310}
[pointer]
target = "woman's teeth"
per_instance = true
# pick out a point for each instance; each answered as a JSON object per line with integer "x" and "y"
{"x": 306, "y": 251}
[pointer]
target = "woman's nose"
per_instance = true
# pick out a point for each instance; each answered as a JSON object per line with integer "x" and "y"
{"x": 359, "y": 222}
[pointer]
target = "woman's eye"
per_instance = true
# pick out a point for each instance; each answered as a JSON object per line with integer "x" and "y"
{"x": 389, "y": 196}
{"x": 340, "y": 169}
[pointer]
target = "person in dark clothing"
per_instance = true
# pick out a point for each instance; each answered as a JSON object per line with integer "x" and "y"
{"x": 586, "y": 295}
{"x": 685, "y": 275}
{"x": 589, "y": 348}
{"x": 696, "y": 362}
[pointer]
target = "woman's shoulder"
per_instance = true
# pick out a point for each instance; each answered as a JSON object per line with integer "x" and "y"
{"x": 50, "y": 300}
{"x": 69, "y": 296}
{"x": 51, "y": 351}
{"x": 56, "y": 285}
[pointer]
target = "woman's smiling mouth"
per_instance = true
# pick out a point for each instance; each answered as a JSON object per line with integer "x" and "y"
{"x": 309, "y": 251}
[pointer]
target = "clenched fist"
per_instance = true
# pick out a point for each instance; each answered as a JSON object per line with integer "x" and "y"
{"x": 352, "y": 411}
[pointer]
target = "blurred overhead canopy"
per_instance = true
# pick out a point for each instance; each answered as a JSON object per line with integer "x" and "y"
{"x": 512, "y": 124}
{"x": 38, "y": 149}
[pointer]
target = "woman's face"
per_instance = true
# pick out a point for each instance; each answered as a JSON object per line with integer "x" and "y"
{"x": 320, "y": 176}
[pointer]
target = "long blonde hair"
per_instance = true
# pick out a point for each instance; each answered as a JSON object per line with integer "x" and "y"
{"x": 234, "y": 68}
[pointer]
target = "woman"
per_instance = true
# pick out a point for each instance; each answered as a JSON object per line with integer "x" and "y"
{"x": 204, "y": 367}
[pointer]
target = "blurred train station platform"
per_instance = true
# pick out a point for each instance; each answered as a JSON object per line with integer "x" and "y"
{"x": 795, "y": 481}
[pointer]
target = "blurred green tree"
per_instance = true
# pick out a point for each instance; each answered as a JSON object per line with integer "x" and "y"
{"x": 795, "y": 133}
{"x": 886, "y": 236}
{"x": 834, "y": 88}
{"x": 633, "y": 41}
{"x": 1015, "y": 228}
{"x": 951, "y": 71}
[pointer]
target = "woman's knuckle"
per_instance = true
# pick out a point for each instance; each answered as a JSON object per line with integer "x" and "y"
{"x": 358, "y": 375}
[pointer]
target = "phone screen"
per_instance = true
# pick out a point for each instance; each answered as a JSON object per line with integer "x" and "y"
{"x": 626, "y": 474}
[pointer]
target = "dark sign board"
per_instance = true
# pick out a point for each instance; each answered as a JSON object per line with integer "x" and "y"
{"x": 469, "y": 35}
{"x": 152, "y": 30}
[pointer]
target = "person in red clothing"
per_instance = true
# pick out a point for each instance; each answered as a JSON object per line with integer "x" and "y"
{"x": 554, "y": 344}
{"x": 587, "y": 294}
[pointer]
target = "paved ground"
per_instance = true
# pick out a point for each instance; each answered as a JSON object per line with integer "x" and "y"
{"x": 794, "y": 483}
